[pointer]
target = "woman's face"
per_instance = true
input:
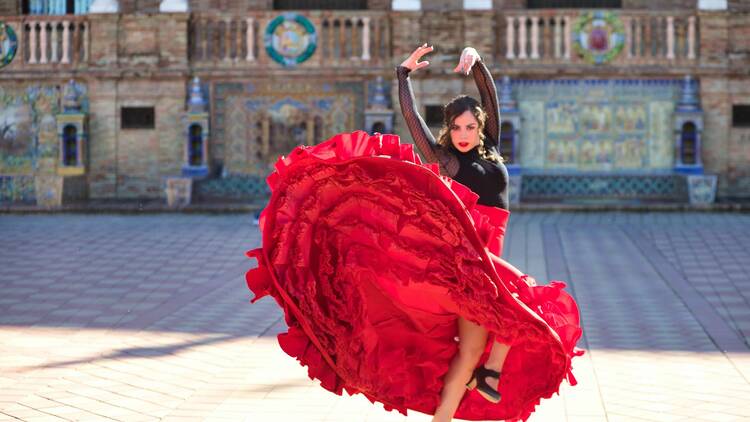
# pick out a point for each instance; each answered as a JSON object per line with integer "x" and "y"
{"x": 465, "y": 132}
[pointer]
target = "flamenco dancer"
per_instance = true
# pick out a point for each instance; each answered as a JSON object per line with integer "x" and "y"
{"x": 389, "y": 273}
{"x": 467, "y": 152}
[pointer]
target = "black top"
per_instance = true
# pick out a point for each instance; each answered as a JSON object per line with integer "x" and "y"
{"x": 487, "y": 179}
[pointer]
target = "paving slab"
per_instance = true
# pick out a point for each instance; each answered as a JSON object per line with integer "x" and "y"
{"x": 147, "y": 317}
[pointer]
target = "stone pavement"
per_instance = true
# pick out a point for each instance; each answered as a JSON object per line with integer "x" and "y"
{"x": 134, "y": 318}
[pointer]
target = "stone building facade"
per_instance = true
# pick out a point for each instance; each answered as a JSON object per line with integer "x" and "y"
{"x": 636, "y": 102}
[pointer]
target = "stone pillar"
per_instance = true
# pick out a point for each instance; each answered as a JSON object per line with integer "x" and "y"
{"x": 510, "y": 33}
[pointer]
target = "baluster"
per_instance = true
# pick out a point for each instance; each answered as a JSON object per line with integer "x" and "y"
{"x": 250, "y": 40}
{"x": 638, "y": 37}
{"x": 54, "y": 57}
{"x": 557, "y": 36}
{"x": 670, "y": 37}
{"x": 32, "y": 43}
{"x": 510, "y": 32}
{"x": 691, "y": 38}
{"x": 206, "y": 34}
{"x": 342, "y": 39}
{"x": 568, "y": 36}
{"x": 628, "y": 22}
{"x": 65, "y": 43}
{"x": 43, "y": 43}
{"x": 227, "y": 39}
{"x": 522, "y": 38}
{"x": 85, "y": 34}
{"x": 366, "y": 38}
{"x": 648, "y": 39}
{"x": 535, "y": 37}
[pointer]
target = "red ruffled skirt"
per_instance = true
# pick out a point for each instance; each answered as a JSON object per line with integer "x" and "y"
{"x": 373, "y": 255}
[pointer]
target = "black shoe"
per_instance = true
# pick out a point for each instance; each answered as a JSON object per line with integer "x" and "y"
{"x": 479, "y": 381}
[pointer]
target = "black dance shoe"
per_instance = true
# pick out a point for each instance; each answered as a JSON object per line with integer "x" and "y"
{"x": 479, "y": 381}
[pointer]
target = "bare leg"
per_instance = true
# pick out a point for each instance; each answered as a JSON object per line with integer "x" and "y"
{"x": 472, "y": 340}
{"x": 495, "y": 361}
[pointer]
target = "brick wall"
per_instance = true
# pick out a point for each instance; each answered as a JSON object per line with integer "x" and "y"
{"x": 139, "y": 6}
{"x": 738, "y": 151}
{"x": 10, "y": 7}
{"x": 508, "y": 4}
{"x": 739, "y": 37}
{"x": 234, "y": 6}
{"x": 738, "y": 6}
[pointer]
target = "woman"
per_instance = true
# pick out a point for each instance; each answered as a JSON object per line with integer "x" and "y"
{"x": 467, "y": 151}
{"x": 380, "y": 261}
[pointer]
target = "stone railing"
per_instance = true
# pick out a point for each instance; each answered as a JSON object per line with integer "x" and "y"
{"x": 343, "y": 38}
{"x": 52, "y": 41}
{"x": 548, "y": 36}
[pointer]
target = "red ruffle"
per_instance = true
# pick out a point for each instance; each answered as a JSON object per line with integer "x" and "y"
{"x": 372, "y": 255}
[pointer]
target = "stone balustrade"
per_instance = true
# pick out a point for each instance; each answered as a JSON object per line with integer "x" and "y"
{"x": 349, "y": 39}
{"x": 342, "y": 38}
{"x": 548, "y": 36}
{"x": 52, "y": 40}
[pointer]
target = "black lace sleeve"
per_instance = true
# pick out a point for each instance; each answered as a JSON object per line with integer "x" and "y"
{"x": 423, "y": 139}
{"x": 488, "y": 93}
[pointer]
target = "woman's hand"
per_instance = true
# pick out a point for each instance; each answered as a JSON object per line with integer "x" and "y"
{"x": 412, "y": 62}
{"x": 468, "y": 57}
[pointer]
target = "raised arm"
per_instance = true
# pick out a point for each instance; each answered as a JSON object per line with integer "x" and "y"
{"x": 419, "y": 131}
{"x": 423, "y": 138}
{"x": 488, "y": 94}
{"x": 470, "y": 60}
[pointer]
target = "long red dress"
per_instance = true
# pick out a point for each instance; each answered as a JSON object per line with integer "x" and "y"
{"x": 373, "y": 255}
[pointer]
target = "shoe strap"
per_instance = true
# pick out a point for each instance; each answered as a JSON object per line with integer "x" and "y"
{"x": 485, "y": 372}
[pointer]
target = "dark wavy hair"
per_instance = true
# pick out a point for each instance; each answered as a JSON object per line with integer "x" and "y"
{"x": 456, "y": 107}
